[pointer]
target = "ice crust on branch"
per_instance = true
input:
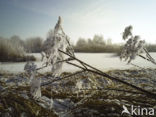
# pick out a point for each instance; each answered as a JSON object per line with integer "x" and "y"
{"x": 56, "y": 40}
{"x": 35, "y": 83}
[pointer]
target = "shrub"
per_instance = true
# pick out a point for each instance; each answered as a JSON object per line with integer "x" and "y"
{"x": 33, "y": 44}
{"x": 12, "y": 51}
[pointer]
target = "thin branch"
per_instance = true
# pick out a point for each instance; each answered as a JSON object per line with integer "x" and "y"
{"x": 137, "y": 66}
{"x": 42, "y": 67}
{"x": 150, "y": 57}
{"x": 68, "y": 59}
{"x": 147, "y": 59}
{"x": 77, "y": 66}
{"x": 59, "y": 79}
{"x": 119, "y": 90}
{"x": 99, "y": 72}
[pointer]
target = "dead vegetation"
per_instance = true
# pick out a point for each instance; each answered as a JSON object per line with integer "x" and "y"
{"x": 106, "y": 101}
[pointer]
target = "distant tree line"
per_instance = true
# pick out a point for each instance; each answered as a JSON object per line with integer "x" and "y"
{"x": 95, "y": 45}
{"x": 151, "y": 47}
{"x": 34, "y": 44}
{"x": 13, "y": 49}
{"x": 29, "y": 45}
{"x": 98, "y": 44}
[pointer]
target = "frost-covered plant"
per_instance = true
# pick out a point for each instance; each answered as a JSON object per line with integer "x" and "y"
{"x": 11, "y": 50}
{"x": 133, "y": 47}
{"x": 35, "y": 83}
{"x": 56, "y": 40}
{"x": 35, "y": 89}
{"x": 127, "y": 32}
{"x": 30, "y": 68}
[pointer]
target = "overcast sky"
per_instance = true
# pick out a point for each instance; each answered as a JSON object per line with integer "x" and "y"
{"x": 81, "y": 18}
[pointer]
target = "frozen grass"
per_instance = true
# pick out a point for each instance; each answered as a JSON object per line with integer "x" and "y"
{"x": 107, "y": 103}
{"x": 12, "y": 51}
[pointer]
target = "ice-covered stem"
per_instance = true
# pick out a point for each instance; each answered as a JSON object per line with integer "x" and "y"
{"x": 149, "y": 57}
{"x": 63, "y": 78}
{"x": 35, "y": 89}
{"x": 101, "y": 73}
{"x": 115, "y": 89}
{"x": 150, "y": 60}
{"x": 35, "y": 83}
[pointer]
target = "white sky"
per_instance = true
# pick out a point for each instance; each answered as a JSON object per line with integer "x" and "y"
{"x": 82, "y": 18}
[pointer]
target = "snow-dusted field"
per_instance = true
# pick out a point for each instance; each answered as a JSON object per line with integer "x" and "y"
{"x": 103, "y": 61}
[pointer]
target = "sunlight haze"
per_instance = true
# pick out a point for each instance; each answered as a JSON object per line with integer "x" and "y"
{"x": 81, "y": 18}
